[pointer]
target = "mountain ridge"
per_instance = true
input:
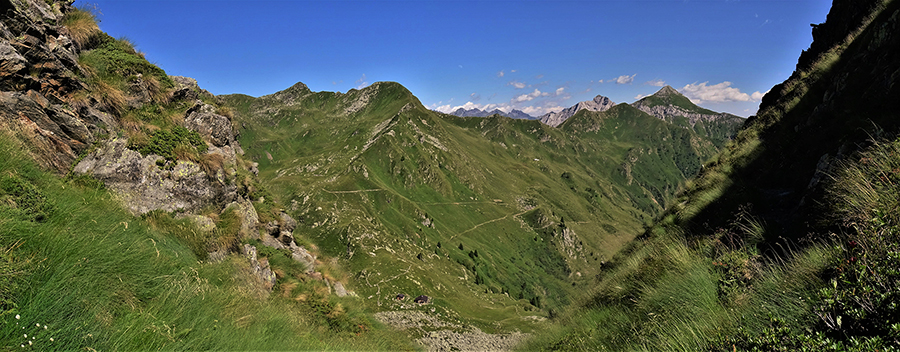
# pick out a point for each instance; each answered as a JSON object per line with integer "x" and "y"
{"x": 475, "y": 112}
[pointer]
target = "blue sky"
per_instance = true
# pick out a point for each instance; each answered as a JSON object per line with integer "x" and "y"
{"x": 535, "y": 56}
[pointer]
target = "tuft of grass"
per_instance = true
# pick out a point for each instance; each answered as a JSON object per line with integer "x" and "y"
{"x": 82, "y": 25}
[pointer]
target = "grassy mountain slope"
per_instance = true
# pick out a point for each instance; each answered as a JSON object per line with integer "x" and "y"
{"x": 80, "y": 272}
{"x": 787, "y": 239}
{"x": 670, "y": 105}
{"x": 516, "y": 212}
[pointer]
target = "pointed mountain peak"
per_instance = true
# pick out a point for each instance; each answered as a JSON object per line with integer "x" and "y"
{"x": 298, "y": 87}
{"x": 599, "y": 99}
{"x": 666, "y": 91}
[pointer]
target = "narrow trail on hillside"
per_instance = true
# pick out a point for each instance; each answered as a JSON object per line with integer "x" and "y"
{"x": 488, "y": 222}
{"x": 356, "y": 191}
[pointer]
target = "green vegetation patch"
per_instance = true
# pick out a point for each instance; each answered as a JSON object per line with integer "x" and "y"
{"x": 165, "y": 142}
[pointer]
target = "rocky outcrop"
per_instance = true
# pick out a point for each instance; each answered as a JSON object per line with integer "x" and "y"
{"x": 215, "y": 128}
{"x": 146, "y": 183}
{"x": 598, "y": 104}
{"x": 259, "y": 266}
{"x": 669, "y": 112}
{"x": 38, "y": 75}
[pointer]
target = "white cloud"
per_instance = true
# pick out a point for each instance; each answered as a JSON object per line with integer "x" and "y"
{"x": 475, "y": 96}
{"x": 600, "y": 81}
{"x": 500, "y": 74}
{"x": 442, "y": 108}
{"x": 757, "y": 96}
{"x": 517, "y": 84}
{"x": 361, "y": 82}
{"x": 528, "y": 97}
{"x": 640, "y": 96}
{"x": 560, "y": 90}
{"x": 625, "y": 79}
{"x": 533, "y": 110}
{"x": 512, "y": 71}
{"x": 656, "y": 83}
{"x": 447, "y": 108}
{"x": 717, "y": 93}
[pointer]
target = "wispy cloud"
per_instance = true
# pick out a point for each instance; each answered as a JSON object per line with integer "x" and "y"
{"x": 475, "y": 96}
{"x": 500, "y": 74}
{"x": 517, "y": 84}
{"x": 625, "y": 79}
{"x": 656, "y": 83}
{"x": 717, "y": 93}
{"x": 640, "y": 96}
{"x": 528, "y": 97}
{"x": 361, "y": 82}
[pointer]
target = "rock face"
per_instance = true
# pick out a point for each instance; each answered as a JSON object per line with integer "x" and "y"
{"x": 38, "y": 73}
{"x": 598, "y": 104}
{"x": 668, "y": 112}
{"x": 213, "y": 127}
{"x": 144, "y": 185}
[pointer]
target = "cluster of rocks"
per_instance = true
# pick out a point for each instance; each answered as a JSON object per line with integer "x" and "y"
{"x": 443, "y": 334}
{"x": 474, "y": 340}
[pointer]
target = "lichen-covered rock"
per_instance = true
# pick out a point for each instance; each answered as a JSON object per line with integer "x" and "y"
{"x": 143, "y": 185}
{"x": 248, "y": 216}
{"x": 213, "y": 127}
{"x": 301, "y": 255}
{"x": 259, "y": 267}
{"x": 287, "y": 222}
{"x": 339, "y": 289}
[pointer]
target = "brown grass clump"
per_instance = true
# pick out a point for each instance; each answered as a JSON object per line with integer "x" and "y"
{"x": 82, "y": 25}
{"x": 211, "y": 163}
{"x": 111, "y": 98}
{"x": 225, "y": 111}
{"x": 186, "y": 152}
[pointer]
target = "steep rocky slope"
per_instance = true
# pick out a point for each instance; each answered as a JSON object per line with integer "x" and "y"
{"x": 786, "y": 240}
{"x": 842, "y": 94}
{"x": 598, "y": 104}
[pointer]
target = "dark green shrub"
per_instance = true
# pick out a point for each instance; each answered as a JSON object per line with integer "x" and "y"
{"x": 164, "y": 142}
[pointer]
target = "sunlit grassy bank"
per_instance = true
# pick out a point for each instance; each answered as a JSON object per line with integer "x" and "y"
{"x": 78, "y": 272}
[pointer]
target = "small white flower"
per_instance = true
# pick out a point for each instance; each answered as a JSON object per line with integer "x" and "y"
{"x": 45, "y": 326}
{"x": 23, "y": 346}
{"x": 32, "y": 337}
{"x": 51, "y": 339}
{"x": 17, "y": 317}
{"x": 29, "y": 343}
{"x": 26, "y": 335}
{"x": 37, "y": 324}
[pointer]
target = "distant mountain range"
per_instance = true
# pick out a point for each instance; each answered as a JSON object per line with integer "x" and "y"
{"x": 513, "y": 114}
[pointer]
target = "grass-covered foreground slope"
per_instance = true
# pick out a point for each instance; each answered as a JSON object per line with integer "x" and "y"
{"x": 78, "y": 272}
{"x": 786, "y": 241}
{"x": 499, "y": 220}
